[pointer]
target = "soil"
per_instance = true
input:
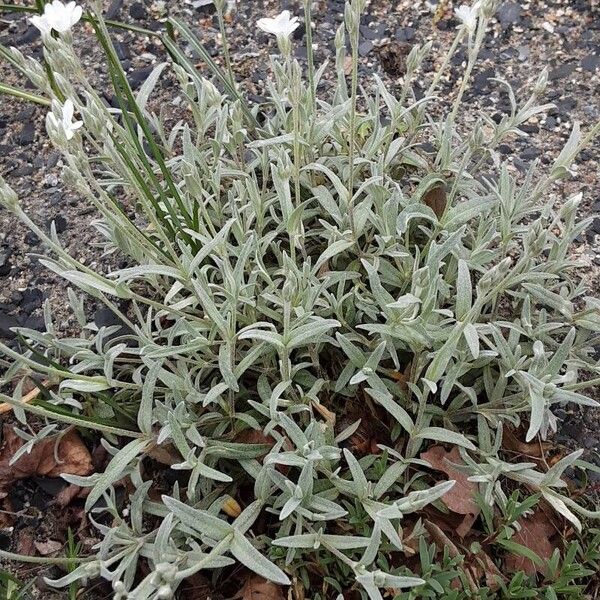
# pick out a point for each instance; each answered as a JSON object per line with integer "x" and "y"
{"x": 563, "y": 35}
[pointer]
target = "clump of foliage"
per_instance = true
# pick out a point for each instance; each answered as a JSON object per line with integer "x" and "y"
{"x": 318, "y": 289}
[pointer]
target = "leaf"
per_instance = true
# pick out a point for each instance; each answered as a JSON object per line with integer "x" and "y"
{"x": 439, "y": 434}
{"x": 114, "y": 471}
{"x": 535, "y": 538}
{"x": 461, "y": 497}
{"x": 248, "y": 555}
{"x": 74, "y": 458}
{"x": 258, "y": 588}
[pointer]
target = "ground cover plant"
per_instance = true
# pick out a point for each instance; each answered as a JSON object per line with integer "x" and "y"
{"x": 344, "y": 327}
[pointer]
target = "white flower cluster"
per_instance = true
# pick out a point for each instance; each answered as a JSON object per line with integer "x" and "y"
{"x": 283, "y": 25}
{"x": 468, "y": 15}
{"x": 58, "y": 17}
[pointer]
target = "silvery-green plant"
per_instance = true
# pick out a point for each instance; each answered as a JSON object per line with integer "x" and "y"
{"x": 285, "y": 264}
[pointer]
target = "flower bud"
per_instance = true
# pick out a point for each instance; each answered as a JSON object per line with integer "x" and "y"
{"x": 8, "y": 197}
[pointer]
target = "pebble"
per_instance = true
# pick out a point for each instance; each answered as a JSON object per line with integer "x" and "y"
{"x": 562, "y": 71}
{"x": 591, "y": 62}
{"x": 365, "y": 47}
{"x": 138, "y": 11}
{"x": 508, "y": 13}
{"x": 27, "y": 134}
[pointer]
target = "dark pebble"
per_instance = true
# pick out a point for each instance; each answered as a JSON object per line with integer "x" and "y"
{"x": 138, "y": 11}
{"x": 405, "y": 34}
{"x": 562, "y": 71}
{"x": 549, "y": 123}
{"x": 35, "y": 322}
{"x": 529, "y": 128}
{"x": 530, "y": 153}
{"x": 122, "y": 50}
{"x": 6, "y": 323}
{"x": 31, "y": 239}
{"x": 596, "y": 225}
{"x": 365, "y": 47}
{"x": 591, "y": 62}
{"x": 5, "y": 265}
{"x": 60, "y": 223}
{"x": 32, "y": 34}
{"x": 114, "y": 9}
{"x": 299, "y": 32}
{"x": 136, "y": 78}
{"x": 27, "y": 134}
{"x": 32, "y": 299}
{"x": 509, "y": 13}
{"x": 5, "y": 149}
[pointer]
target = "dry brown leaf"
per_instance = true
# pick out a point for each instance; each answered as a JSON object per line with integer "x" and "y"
{"x": 48, "y": 547}
{"x": 68, "y": 494}
{"x": 461, "y": 497}
{"x": 534, "y": 450}
{"x": 436, "y": 199}
{"x": 165, "y": 454}
{"x": 258, "y": 588}
{"x": 74, "y": 458}
{"x": 536, "y": 533}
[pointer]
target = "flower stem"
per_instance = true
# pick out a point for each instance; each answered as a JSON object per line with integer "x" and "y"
{"x": 309, "y": 51}
{"x": 225, "y": 43}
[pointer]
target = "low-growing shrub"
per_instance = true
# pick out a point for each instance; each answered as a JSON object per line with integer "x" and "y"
{"x": 323, "y": 293}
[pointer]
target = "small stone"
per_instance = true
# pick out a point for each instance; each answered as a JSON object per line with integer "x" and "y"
{"x": 32, "y": 299}
{"x": 365, "y": 47}
{"x": 31, "y": 239}
{"x": 523, "y": 53}
{"x": 562, "y": 71}
{"x": 60, "y": 223}
{"x": 6, "y": 323}
{"x": 136, "y": 78}
{"x": 114, "y": 9}
{"x": 5, "y": 265}
{"x": 509, "y": 13}
{"x": 405, "y": 34}
{"x": 138, "y": 11}
{"x": 27, "y": 134}
{"x": 591, "y": 62}
{"x": 530, "y": 153}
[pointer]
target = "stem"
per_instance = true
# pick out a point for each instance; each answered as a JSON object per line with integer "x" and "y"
{"x": 225, "y": 46}
{"x": 353, "y": 93}
{"x": 471, "y": 63}
{"x": 309, "y": 51}
{"x": 23, "y": 95}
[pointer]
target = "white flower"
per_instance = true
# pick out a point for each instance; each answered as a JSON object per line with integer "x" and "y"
{"x": 66, "y": 124}
{"x": 283, "y": 25}
{"x": 468, "y": 15}
{"x": 58, "y": 16}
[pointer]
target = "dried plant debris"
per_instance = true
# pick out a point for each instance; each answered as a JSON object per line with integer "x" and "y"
{"x": 340, "y": 334}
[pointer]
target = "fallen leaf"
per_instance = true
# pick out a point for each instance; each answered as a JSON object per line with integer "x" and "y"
{"x": 532, "y": 450}
{"x": 258, "y": 588}
{"x": 73, "y": 458}
{"x": 436, "y": 199}
{"x": 48, "y": 547}
{"x": 165, "y": 454}
{"x": 461, "y": 497}
{"x": 68, "y": 494}
{"x": 536, "y": 533}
